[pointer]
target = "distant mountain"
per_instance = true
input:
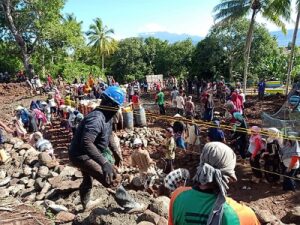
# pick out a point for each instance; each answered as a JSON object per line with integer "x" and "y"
{"x": 172, "y": 37}
{"x": 282, "y": 39}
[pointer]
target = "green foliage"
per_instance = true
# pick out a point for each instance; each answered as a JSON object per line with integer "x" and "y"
{"x": 220, "y": 53}
{"x": 100, "y": 39}
{"x": 128, "y": 60}
{"x": 9, "y": 62}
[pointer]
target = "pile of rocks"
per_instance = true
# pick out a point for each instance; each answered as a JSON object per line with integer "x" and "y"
{"x": 147, "y": 135}
{"x": 36, "y": 177}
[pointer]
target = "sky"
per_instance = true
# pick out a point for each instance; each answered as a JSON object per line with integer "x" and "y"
{"x": 128, "y": 18}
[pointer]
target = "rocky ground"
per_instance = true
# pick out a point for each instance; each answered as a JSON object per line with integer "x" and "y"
{"x": 34, "y": 189}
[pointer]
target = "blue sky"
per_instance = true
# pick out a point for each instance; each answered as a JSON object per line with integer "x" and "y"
{"x": 130, "y": 17}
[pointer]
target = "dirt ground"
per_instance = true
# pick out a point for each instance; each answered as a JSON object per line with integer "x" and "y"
{"x": 265, "y": 196}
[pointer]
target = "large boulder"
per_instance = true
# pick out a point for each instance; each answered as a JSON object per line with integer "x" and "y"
{"x": 149, "y": 216}
{"x": 4, "y": 192}
{"x": 161, "y": 206}
{"x": 62, "y": 185}
{"x": 145, "y": 223}
{"x": 46, "y": 160}
{"x": 293, "y": 216}
{"x": 265, "y": 216}
{"x": 68, "y": 171}
{"x": 64, "y": 217}
{"x": 43, "y": 171}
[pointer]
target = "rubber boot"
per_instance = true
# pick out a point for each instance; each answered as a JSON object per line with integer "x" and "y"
{"x": 85, "y": 197}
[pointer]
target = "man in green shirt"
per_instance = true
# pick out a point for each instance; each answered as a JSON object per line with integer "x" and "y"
{"x": 160, "y": 100}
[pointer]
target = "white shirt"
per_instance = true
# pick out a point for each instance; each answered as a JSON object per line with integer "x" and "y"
{"x": 38, "y": 83}
{"x": 243, "y": 96}
{"x": 180, "y": 102}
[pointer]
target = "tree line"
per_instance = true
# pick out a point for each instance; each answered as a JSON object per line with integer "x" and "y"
{"x": 35, "y": 34}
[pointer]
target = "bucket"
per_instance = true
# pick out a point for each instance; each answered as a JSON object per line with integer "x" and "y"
{"x": 140, "y": 117}
{"x": 128, "y": 119}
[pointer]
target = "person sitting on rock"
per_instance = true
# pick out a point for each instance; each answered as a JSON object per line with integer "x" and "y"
{"x": 41, "y": 144}
{"x": 141, "y": 159}
{"x": 206, "y": 201}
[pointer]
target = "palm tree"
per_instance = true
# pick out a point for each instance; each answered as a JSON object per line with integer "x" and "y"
{"x": 100, "y": 39}
{"x": 291, "y": 58}
{"x": 272, "y": 10}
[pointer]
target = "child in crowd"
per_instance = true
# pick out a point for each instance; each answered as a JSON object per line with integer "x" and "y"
{"x": 290, "y": 158}
{"x": 169, "y": 149}
{"x": 141, "y": 159}
{"x": 255, "y": 148}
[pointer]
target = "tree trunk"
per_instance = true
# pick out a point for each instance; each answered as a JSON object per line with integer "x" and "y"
{"x": 248, "y": 48}
{"x": 6, "y": 5}
{"x": 230, "y": 68}
{"x": 102, "y": 63}
{"x": 291, "y": 59}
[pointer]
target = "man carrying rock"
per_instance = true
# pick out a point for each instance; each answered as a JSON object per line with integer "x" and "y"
{"x": 91, "y": 139}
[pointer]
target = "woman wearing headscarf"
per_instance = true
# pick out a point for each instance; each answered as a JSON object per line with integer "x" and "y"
{"x": 206, "y": 201}
{"x": 235, "y": 98}
{"x": 255, "y": 147}
{"x": 239, "y": 137}
{"x": 290, "y": 159}
{"x": 230, "y": 110}
{"x": 271, "y": 156}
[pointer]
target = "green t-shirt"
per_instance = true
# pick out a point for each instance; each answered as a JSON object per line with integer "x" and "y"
{"x": 190, "y": 207}
{"x": 160, "y": 98}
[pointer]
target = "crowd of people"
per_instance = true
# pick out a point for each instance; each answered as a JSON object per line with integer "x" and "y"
{"x": 95, "y": 148}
